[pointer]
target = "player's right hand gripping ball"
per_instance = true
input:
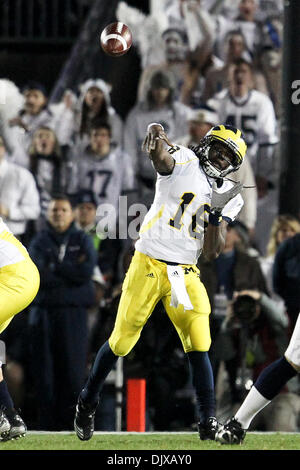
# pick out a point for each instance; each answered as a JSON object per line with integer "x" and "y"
{"x": 116, "y": 39}
{"x": 155, "y": 131}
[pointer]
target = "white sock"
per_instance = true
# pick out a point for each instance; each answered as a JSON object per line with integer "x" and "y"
{"x": 253, "y": 404}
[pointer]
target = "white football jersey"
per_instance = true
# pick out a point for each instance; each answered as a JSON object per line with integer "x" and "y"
{"x": 107, "y": 177}
{"x": 173, "y": 229}
{"x": 254, "y": 115}
{"x": 174, "y": 121}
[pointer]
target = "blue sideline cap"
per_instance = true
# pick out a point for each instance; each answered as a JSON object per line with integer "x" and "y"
{"x": 85, "y": 195}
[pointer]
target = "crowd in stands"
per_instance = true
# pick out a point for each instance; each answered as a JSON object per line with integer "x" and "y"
{"x": 65, "y": 165}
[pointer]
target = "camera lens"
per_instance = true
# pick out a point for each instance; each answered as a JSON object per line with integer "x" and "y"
{"x": 244, "y": 308}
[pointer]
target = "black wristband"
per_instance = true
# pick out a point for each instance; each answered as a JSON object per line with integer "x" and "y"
{"x": 215, "y": 218}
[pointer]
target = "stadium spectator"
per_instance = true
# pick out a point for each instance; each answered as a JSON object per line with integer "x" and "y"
{"x": 85, "y": 214}
{"x": 19, "y": 196}
{"x": 241, "y": 105}
{"x": 85, "y": 209}
{"x": 48, "y": 164}
{"x": 188, "y": 54}
{"x": 195, "y": 75}
{"x": 108, "y": 249}
{"x": 34, "y": 114}
{"x": 201, "y": 59}
{"x": 105, "y": 169}
{"x": 252, "y": 336}
{"x": 283, "y": 227}
{"x": 269, "y": 59}
{"x": 158, "y": 105}
{"x": 11, "y": 103}
{"x": 265, "y": 390}
{"x": 63, "y": 112}
{"x": 245, "y": 20}
{"x": 200, "y": 121}
{"x": 93, "y": 106}
{"x": 269, "y": 9}
{"x": 175, "y": 53}
{"x": 286, "y": 276}
{"x": 65, "y": 257}
{"x": 234, "y": 270}
{"x": 194, "y": 19}
{"x": 218, "y": 79}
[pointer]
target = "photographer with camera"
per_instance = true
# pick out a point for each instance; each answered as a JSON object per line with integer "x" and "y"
{"x": 249, "y": 329}
{"x": 234, "y": 270}
{"x": 254, "y": 334}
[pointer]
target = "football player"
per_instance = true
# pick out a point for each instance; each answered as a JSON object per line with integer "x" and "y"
{"x": 268, "y": 384}
{"x": 19, "y": 284}
{"x": 193, "y": 203}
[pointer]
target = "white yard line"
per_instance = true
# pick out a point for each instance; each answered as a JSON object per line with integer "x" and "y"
{"x": 124, "y": 433}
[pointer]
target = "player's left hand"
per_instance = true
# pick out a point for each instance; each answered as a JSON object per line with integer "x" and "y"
{"x": 155, "y": 132}
{"x": 219, "y": 200}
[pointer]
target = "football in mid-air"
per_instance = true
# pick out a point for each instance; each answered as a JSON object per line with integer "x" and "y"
{"x": 116, "y": 39}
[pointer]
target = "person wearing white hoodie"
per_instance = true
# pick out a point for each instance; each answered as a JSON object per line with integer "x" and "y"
{"x": 94, "y": 105}
{"x": 157, "y": 105}
{"x": 19, "y": 196}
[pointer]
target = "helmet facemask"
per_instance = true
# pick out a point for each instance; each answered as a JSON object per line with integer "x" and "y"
{"x": 211, "y": 167}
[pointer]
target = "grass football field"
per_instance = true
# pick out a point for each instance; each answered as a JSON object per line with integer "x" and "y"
{"x": 124, "y": 441}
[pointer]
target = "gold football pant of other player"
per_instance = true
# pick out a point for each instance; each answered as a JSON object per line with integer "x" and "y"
{"x": 19, "y": 283}
{"x": 146, "y": 283}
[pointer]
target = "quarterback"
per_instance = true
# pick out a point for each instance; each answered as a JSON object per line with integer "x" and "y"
{"x": 193, "y": 203}
{"x": 19, "y": 284}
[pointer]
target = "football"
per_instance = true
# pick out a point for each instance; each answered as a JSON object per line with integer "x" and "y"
{"x": 116, "y": 39}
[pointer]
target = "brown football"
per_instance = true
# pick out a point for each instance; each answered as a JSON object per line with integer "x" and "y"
{"x": 116, "y": 39}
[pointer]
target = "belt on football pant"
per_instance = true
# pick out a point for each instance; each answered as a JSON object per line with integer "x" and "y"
{"x": 171, "y": 263}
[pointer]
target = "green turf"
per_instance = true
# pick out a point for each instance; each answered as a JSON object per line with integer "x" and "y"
{"x": 150, "y": 441}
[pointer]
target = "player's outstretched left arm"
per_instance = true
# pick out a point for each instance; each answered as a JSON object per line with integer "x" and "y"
{"x": 154, "y": 145}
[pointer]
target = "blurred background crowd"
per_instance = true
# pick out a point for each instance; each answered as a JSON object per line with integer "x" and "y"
{"x": 70, "y": 146}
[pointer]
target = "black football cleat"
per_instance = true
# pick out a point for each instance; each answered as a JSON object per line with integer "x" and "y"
{"x": 17, "y": 429}
{"x": 4, "y": 426}
{"x": 231, "y": 432}
{"x": 84, "y": 420}
{"x": 208, "y": 430}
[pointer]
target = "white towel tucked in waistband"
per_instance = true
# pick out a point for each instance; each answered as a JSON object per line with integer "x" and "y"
{"x": 179, "y": 293}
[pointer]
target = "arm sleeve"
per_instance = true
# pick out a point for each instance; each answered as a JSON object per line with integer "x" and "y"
{"x": 130, "y": 140}
{"x": 28, "y": 207}
{"x": 275, "y": 311}
{"x": 64, "y": 126}
{"x": 128, "y": 181}
{"x": 267, "y": 138}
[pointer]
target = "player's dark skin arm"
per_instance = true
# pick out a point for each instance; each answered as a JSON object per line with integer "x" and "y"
{"x": 154, "y": 144}
{"x": 214, "y": 240}
{"x": 163, "y": 162}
